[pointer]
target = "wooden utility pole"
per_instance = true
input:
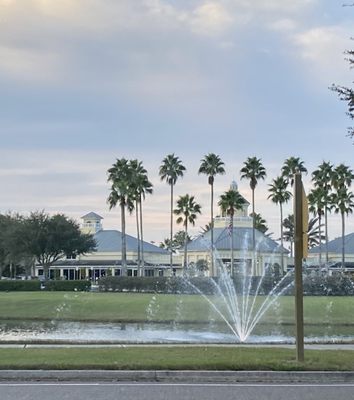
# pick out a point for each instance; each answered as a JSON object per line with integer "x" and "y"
{"x": 300, "y": 242}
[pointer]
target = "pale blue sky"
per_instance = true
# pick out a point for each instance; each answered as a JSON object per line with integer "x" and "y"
{"x": 86, "y": 81}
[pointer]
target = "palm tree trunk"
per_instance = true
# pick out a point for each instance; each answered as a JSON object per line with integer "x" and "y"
{"x": 326, "y": 233}
{"x": 253, "y": 235}
{"x": 124, "y": 241}
{"x": 138, "y": 235}
{"x": 281, "y": 238}
{"x": 232, "y": 245}
{"x": 185, "y": 250}
{"x": 320, "y": 239}
{"x": 212, "y": 228}
{"x": 141, "y": 236}
{"x": 171, "y": 228}
{"x": 343, "y": 240}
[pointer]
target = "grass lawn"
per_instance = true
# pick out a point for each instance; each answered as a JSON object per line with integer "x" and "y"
{"x": 175, "y": 358}
{"x": 125, "y": 307}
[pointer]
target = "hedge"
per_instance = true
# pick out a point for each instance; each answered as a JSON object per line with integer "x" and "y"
{"x": 319, "y": 285}
{"x": 66, "y": 286}
{"x": 17, "y": 285}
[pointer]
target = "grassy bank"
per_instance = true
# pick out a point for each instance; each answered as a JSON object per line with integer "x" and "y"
{"x": 175, "y": 358}
{"x": 127, "y": 307}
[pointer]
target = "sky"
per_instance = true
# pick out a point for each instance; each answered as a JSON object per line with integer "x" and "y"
{"x": 85, "y": 82}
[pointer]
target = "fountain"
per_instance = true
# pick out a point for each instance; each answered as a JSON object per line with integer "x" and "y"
{"x": 236, "y": 302}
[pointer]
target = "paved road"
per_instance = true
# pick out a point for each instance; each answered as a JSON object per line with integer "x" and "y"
{"x": 158, "y": 391}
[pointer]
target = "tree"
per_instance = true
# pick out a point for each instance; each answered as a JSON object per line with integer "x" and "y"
{"x": 120, "y": 176}
{"x": 260, "y": 223}
{"x": 347, "y": 94}
{"x": 211, "y": 165}
{"x": 343, "y": 204}
{"x": 186, "y": 210}
{"x": 177, "y": 243}
{"x": 170, "y": 170}
{"x": 290, "y": 167}
{"x": 50, "y": 238}
{"x": 229, "y": 202}
{"x": 314, "y": 237}
{"x": 289, "y": 231}
{"x": 280, "y": 195}
{"x": 140, "y": 187}
{"x": 322, "y": 179}
{"x": 254, "y": 171}
{"x": 317, "y": 204}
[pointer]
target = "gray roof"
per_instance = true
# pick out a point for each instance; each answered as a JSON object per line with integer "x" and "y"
{"x": 335, "y": 246}
{"x": 91, "y": 215}
{"x": 242, "y": 241}
{"x": 111, "y": 241}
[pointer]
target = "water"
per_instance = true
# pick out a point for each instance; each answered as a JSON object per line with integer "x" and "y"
{"x": 239, "y": 308}
{"x": 14, "y": 331}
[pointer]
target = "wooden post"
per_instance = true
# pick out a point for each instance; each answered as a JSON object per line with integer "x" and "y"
{"x": 299, "y": 251}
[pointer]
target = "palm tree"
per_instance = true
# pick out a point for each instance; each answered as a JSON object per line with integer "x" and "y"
{"x": 317, "y": 205}
{"x": 290, "y": 167}
{"x": 343, "y": 204}
{"x": 254, "y": 171}
{"x": 120, "y": 177}
{"x": 259, "y": 223}
{"x": 314, "y": 238}
{"x": 229, "y": 202}
{"x": 140, "y": 187}
{"x": 322, "y": 178}
{"x": 342, "y": 198}
{"x": 187, "y": 210}
{"x": 289, "y": 232}
{"x": 170, "y": 170}
{"x": 342, "y": 176}
{"x": 211, "y": 165}
{"x": 280, "y": 195}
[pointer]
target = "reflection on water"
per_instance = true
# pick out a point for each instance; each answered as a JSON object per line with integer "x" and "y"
{"x": 160, "y": 333}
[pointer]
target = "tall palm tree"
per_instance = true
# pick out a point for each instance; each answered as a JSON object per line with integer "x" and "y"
{"x": 322, "y": 179}
{"x": 187, "y": 210}
{"x": 140, "y": 187}
{"x": 290, "y": 167}
{"x": 280, "y": 195}
{"x": 343, "y": 204}
{"x": 317, "y": 205}
{"x": 211, "y": 165}
{"x": 170, "y": 170}
{"x": 229, "y": 202}
{"x": 120, "y": 177}
{"x": 342, "y": 198}
{"x": 254, "y": 171}
{"x": 342, "y": 176}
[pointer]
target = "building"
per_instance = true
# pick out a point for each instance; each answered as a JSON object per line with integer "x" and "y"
{"x": 268, "y": 252}
{"x": 107, "y": 259}
{"x": 334, "y": 253}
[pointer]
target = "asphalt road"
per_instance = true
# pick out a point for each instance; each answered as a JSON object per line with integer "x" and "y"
{"x": 164, "y": 391}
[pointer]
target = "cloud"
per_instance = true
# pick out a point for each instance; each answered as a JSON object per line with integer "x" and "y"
{"x": 321, "y": 50}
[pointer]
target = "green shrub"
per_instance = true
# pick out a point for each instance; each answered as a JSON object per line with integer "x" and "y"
{"x": 67, "y": 286}
{"x": 19, "y": 285}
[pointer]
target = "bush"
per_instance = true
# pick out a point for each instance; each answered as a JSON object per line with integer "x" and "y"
{"x": 67, "y": 286}
{"x": 156, "y": 284}
{"x": 23, "y": 286}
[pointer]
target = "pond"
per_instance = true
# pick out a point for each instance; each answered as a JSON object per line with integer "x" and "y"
{"x": 15, "y": 331}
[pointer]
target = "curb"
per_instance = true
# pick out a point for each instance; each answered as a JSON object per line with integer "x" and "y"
{"x": 178, "y": 376}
